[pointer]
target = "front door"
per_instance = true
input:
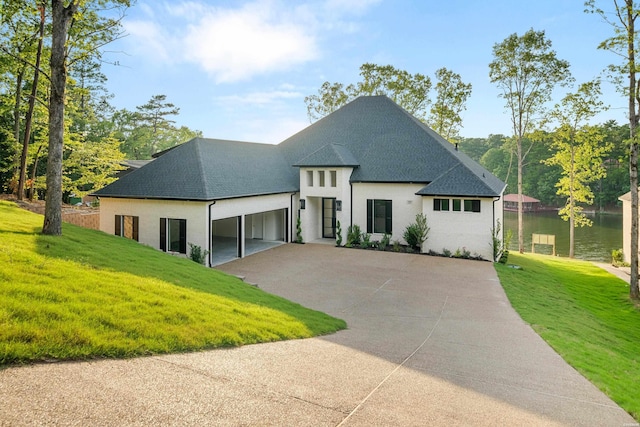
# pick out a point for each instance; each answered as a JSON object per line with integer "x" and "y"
{"x": 328, "y": 218}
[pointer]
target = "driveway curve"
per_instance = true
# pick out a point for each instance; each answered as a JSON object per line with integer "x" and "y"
{"x": 430, "y": 341}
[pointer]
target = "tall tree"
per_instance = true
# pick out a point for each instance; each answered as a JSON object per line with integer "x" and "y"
{"x": 410, "y": 91}
{"x": 154, "y": 117}
{"x": 579, "y": 150}
{"x": 61, "y": 19}
{"x": 624, "y": 44}
{"x": 451, "y": 100}
{"x": 89, "y": 33}
{"x": 526, "y": 70}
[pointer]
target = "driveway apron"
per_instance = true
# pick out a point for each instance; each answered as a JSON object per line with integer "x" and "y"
{"x": 430, "y": 341}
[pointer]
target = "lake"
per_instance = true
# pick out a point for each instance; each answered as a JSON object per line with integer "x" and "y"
{"x": 593, "y": 243}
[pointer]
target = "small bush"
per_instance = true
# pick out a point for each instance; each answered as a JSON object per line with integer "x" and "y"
{"x": 617, "y": 258}
{"x": 446, "y": 252}
{"x": 299, "y": 231}
{"x": 197, "y": 254}
{"x": 396, "y": 246}
{"x": 354, "y": 235}
{"x": 338, "y": 234}
{"x": 416, "y": 234}
{"x": 384, "y": 242}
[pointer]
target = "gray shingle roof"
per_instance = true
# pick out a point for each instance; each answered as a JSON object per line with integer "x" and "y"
{"x": 386, "y": 143}
{"x": 391, "y": 145}
{"x": 329, "y": 155}
{"x": 209, "y": 169}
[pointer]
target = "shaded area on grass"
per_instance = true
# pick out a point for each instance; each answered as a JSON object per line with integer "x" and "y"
{"x": 87, "y": 294}
{"x": 586, "y": 315}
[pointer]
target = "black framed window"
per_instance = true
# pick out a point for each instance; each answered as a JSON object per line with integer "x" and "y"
{"x": 127, "y": 226}
{"x": 173, "y": 235}
{"x": 440, "y": 204}
{"x": 379, "y": 216}
{"x": 472, "y": 205}
{"x": 457, "y": 205}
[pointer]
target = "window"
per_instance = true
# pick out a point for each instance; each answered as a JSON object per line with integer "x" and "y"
{"x": 457, "y": 205}
{"x": 379, "y": 217}
{"x": 310, "y": 178}
{"x": 472, "y": 205}
{"x": 173, "y": 235}
{"x": 333, "y": 178}
{"x": 440, "y": 204}
{"x": 127, "y": 226}
{"x": 321, "y": 178}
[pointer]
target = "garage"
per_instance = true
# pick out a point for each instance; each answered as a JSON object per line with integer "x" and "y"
{"x": 239, "y": 236}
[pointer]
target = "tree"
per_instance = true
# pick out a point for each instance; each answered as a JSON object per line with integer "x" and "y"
{"x": 526, "y": 70}
{"x": 451, "y": 100}
{"x": 61, "y": 19}
{"x": 69, "y": 44}
{"x": 410, "y": 91}
{"x": 153, "y": 116}
{"x": 579, "y": 151}
{"x": 624, "y": 44}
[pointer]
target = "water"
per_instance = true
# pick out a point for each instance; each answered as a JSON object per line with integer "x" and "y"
{"x": 593, "y": 243}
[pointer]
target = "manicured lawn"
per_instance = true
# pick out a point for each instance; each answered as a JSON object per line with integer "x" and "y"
{"x": 585, "y": 314}
{"x": 90, "y": 295}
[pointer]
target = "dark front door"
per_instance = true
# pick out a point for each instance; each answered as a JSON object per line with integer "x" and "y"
{"x": 329, "y": 218}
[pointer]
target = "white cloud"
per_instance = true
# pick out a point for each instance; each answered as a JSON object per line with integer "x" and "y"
{"x": 260, "y": 98}
{"x": 234, "y": 45}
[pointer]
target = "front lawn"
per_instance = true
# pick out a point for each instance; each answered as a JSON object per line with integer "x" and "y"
{"x": 87, "y": 294}
{"x": 585, "y": 314}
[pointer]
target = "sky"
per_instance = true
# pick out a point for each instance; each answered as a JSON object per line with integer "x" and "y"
{"x": 240, "y": 70}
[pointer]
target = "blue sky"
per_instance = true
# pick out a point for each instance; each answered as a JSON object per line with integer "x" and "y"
{"x": 240, "y": 70}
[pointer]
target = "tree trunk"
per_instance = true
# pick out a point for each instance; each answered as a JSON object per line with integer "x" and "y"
{"x": 520, "y": 210}
{"x": 61, "y": 16}
{"x": 29, "y": 117}
{"x": 633, "y": 151}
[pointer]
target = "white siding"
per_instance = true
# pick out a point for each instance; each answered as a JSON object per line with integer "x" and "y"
{"x": 405, "y": 206}
{"x": 150, "y": 212}
{"x": 462, "y": 230}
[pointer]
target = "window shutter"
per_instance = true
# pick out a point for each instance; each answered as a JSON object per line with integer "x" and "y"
{"x": 163, "y": 234}
{"x": 369, "y": 216}
{"x": 183, "y": 236}
{"x": 118, "y": 227}
{"x": 136, "y": 220}
{"x": 389, "y": 217}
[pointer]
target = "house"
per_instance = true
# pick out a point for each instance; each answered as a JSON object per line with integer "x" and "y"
{"x": 370, "y": 163}
{"x": 529, "y": 204}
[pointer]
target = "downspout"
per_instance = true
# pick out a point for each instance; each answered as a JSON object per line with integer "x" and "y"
{"x": 290, "y": 219}
{"x": 494, "y": 220}
{"x": 210, "y": 238}
{"x": 351, "y": 203}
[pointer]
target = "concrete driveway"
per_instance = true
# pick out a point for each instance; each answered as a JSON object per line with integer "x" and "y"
{"x": 431, "y": 341}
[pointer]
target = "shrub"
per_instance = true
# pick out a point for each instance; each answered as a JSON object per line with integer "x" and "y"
{"x": 500, "y": 248}
{"x": 354, "y": 235}
{"x": 396, "y": 246}
{"x": 416, "y": 234}
{"x": 299, "y": 231}
{"x": 338, "y": 234}
{"x": 446, "y": 252}
{"x": 197, "y": 254}
{"x": 617, "y": 258}
{"x": 384, "y": 242}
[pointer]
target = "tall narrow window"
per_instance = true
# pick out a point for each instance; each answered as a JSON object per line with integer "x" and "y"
{"x": 456, "y": 205}
{"x": 321, "y": 178}
{"x": 379, "y": 216}
{"x": 334, "y": 181}
{"x": 173, "y": 235}
{"x": 310, "y": 178}
{"x": 127, "y": 226}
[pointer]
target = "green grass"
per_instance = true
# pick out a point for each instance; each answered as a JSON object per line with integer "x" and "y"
{"x": 586, "y": 315}
{"x": 88, "y": 295}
